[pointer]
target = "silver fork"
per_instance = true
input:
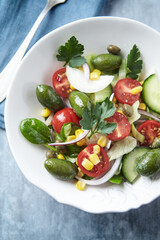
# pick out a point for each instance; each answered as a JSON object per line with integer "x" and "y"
{"x": 6, "y": 76}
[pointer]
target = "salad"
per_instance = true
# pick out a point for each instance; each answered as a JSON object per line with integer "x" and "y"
{"x": 100, "y": 120}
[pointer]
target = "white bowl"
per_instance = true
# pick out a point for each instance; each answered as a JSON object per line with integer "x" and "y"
{"x": 36, "y": 68}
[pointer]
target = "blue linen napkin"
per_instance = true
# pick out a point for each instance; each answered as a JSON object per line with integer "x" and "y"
{"x": 17, "y": 17}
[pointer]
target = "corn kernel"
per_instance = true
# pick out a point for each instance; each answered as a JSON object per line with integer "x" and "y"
{"x": 71, "y": 87}
{"x": 87, "y": 164}
{"x": 95, "y": 74}
{"x": 142, "y": 106}
{"x": 81, "y": 142}
{"x": 80, "y": 173}
{"x": 76, "y": 163}
{"x": 141, "y": 82}
{"x": 94, "y": 158}
{"x": 102, "y": 141}
{"x": 46, "y": 112}
{"x": 114, "y": 99}
{"x": 96, "y": 149}
{"x": 80, "y": 185}
{"x": 136, "y": 90}
{"x": 70, "y": 138}
{"x": 60, "y": 156}
{"x": 78, "y": 132}
{"x": 120, "y": 111}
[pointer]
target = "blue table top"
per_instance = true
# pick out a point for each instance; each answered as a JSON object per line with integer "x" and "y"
{"x": 29, "y": 213}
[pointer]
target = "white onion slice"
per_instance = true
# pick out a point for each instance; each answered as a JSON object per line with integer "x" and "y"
{"x": 86, "y": 70}
{"x": 70, "y": 142}
{"x": 142, "y": 112}
{"x": 80, "y": 81}
{"x": 49, "y": 119}
{"x": 106, "y": 177}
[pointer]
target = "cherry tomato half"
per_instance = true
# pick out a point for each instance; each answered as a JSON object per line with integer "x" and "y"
{"x": 150, "y": 129}
{"x": 123, "y": 127}
{"x": 61, "y": 83}
{"x": 123, "y": 93}
{"x": 99, "y": 168}
{"x": 64, "y": 116}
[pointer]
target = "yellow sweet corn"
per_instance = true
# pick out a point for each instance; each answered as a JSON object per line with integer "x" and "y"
{"x": 70, "y": 138}
{"x": 78, "y": 132}
{"x": 94, "y": 159}
{"x": 141, "y": 82}
{"x": 81, "y": 142}
{"x": 136, "y": 90}
{"x": 87, "y": 164}
{"x": 45, "y": 112}
{"x": 80, "y": 185}
{"x": 76, "y": 163}
{"x": 142, "y": 106}
{"x": 120, "y": 111}
{"x": 71, "y": 87}
{"x": 60, "y": 156}
{"x": 114, "y": 99}
{"x": 96, "y": 149}
{"x": 95, "y": 74}
{"x": 102, "y": 141}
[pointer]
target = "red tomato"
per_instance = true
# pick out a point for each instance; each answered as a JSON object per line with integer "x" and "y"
{"x": 64, "y": 116}
{"x": 123, "y": 93}
{"x": 61, "y": 83}
{"x": 99, "y": 168}
{"x": 150, "y": 129}
{"x": 123, "y": 127}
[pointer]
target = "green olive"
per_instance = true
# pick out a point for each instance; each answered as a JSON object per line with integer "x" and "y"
{"x": 49, "y": 98}
{"x": 50, "y": 154}
{"x": 107, "y": 62}
{"x": 61, "y": 149}
{"x": 79, "y": 101}
{"x": 113, "y": 49}
{"x": 149, "y": 163}
{"x": 62, "y": 169}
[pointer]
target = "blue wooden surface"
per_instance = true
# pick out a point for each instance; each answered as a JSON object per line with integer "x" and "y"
{"x": 28, "y": 213}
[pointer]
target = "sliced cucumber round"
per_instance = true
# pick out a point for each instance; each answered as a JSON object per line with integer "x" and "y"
{"x": 129, "y": 163}
{"x": 151, "y": 93}
{"x": 101, "y": 95}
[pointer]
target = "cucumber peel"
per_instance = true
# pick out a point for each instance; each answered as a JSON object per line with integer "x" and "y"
{"x": 129, "y": 163}
{"x": 151, "y": 93}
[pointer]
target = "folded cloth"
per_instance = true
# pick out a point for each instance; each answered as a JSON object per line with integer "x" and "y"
{"x": 17, "y": 18}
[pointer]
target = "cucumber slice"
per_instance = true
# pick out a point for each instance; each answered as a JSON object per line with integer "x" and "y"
{"x": 89, "y": 59}
{"x": 151, "y": 93}
{"x": 101, "y": 95}
{"x": 129, "y": 163}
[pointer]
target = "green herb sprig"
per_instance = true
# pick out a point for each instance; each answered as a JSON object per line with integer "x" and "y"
{"x": 93, "y": 119}
{"x": 71, "y": 53}
{"x": 134, "y": 63}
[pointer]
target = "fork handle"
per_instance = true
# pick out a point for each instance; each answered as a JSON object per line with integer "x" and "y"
{"x": 8, "y": 72}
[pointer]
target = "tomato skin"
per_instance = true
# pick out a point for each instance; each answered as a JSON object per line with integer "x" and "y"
{"x": 64, "y": 116}
{"x": 123, "y": 93}
{"x": 98, "y": 169}
{"x": 123, "y": 127}
{"x": 150, "y": 129}
{"x": 61, "y": 83}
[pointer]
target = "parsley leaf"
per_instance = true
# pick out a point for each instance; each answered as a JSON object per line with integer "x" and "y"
{"x": 106, "y": 128}
{"x": 94, "y": 119}
{"x": 71, "y": 53}
{"x": 87, "y": 120}
{"x": 134, "y": 63}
